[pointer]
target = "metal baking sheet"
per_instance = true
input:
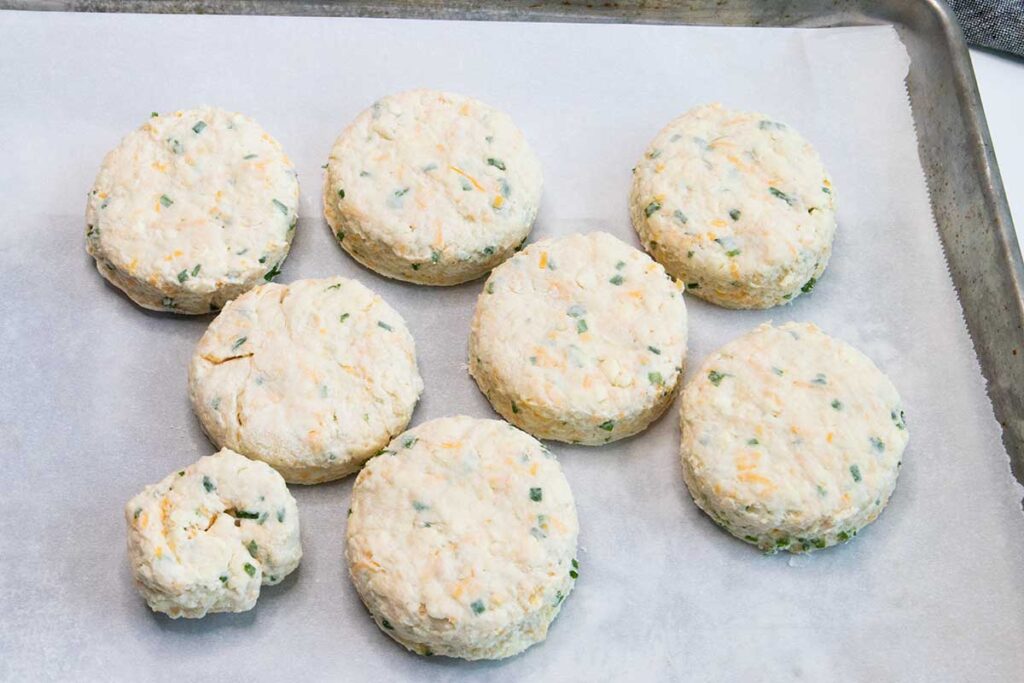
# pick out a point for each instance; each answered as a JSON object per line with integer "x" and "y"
{"x": 96, "y": 407}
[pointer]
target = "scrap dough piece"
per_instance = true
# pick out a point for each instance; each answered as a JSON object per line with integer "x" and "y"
{"x": 206, "y": 537}
{"x": 792, "y": 440}
{"x": 191, "y": 210}
{"x": 579, "y": 339}
{"x": 431, "y": 187}
{"x": 736, "y": 205}
{"x": 313, "y": 377}
{"x": 462, "y": 539}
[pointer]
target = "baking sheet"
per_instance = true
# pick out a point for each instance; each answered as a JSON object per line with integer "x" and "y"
{"x": 95, "y": 404}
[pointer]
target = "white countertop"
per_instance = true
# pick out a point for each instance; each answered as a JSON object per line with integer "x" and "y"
{"x": 1001, "y": 82}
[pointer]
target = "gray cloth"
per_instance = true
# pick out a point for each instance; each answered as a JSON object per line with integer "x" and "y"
{"x": 996, "y": 24}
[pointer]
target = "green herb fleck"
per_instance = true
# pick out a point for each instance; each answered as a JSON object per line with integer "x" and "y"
{"x": 343, "y": 317}
{"x": 198, "y": 128}
{"x": 515, "y": 408}
{"x": 247, "y": 157}
{"x": 843, "y": 536}
{"x": 820, "y": 379}
{"x": 183, "y": 275}
{"x": 386, "y": 625}
{"x": 249, "y": 569}
{"x": 877, "y": 444}
{"x": 496, "y": 163}
{"x": 536, "y": 494}
{"x": 777, "y": 371}
{"x": 384, "y": 325}
{"x": 341, "y": 194}
{"x": 735, "y": 214}
{"x": 655, "y": 378}
{"x": 337, "y": 285}
{"x": 238, "y": 342}
{"x": 616, "y": 280}
{"x": 252, "y": 547}
{"x": 273, "y": 272}
{"x": 490, "y": 288}
{"x": 280, "y": 515}
{"x": 655, "y": 350}
{"x": 752, "y": 539}
{"x": 208, "y": 484}
{"x": 153, "y": 114}
{"x": 716, "y": 377}
{"x": 776, "y": 192}
{"x": 837, "y": 404}
{"x": 477, "y": 606}
{"x": 419, "y": 507}
{"x": 809, "y": 285}
{"x": 581, "y": 326}
{"x": 435, "y": 256}
{"x": 651, "y": 208}
{"x": 826, "y": 190}
{"x": 165, "y": 200}
{"x": 752, "y": 442}
{"x": 280, "y": 206}
{"x": 409, "y": 442}
{"x": 783, "y": 542}
{"x": 573, "y": 574}
{"x": 898, "y": 420}
{"x": 679, "y": 216}
{"x": 693, "y": 285}
{"x": 195, "y": 271}
{"x": 223, "y": 579}
{"x": 855, "y": 472}
{"x": 607, "y": 425}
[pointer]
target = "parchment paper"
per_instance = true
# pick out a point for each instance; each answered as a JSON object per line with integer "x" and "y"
{"x": 94, "y": 403}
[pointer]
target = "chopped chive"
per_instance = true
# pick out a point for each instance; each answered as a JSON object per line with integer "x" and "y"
{"x": 496, "y": 163}
{"x": 419, "y": 507}
{"x": 153, "y": 114}
{"x": 837, "y": 404}
{"x": 770, "y": 125}
{"x": 809, "y": 285}
{"x": 223, "y": 579}
{"x": 247, "y": 157}
{"x": 693, "y": 285}
{"x": 616, "y": 280}
{"x": 655, "y": 350}
{"x": 651, "y": 208}
{"x": 735, "y": 214}
{"x": 245, "y": 514}
{"x": 855, "y": 472}
{"x": 195, "y": 271}
{"x": 581, "y": 326}
{"x": 477, "y": 606}
{"x": 607, "y": 425}
{"x": 716, "y": 377}
{"x": 435, "y": 256}
{"x": 575, "y": 563}
{"x": 198, "y": 128}
{"x": 280, "y": 515}
{"x": 384, "y": 325}
{"x": 409, "y": 442}
{"x": 336, "y": 285}
{"x": 536, "y": 494}
{"x": 826, "y": 190}
{"x": 238, "y": 342}
{"x": 280, "y": 206}
{"x": 776, "y": 192}
{"x": 249, "y": 569}
{"x": 679, "y": 216}
{"x": 576, "y": 311}
{"x": 273, "y": 272}
{"x": 208, "y": 484}
{"x": 877, "y": 444}
{"x": 488, "y": 251}
{"x": 777, "y": 371}
{"x": 252, "y": 547}
{"x": 620, "y": 265}
{"x": 183, "y": 275}
{"x": 752, "y": 442}
{"x": 343, "y": 317}
{"x": 165, "y": 200}
{"x": 341, "y": 194}
{"x": 819, "y": 379}
{"x": 655, "y": 378}
{"x": 386, "y": 625}
{"x": 752, "y": 539}
{"x": 573, "y": 574}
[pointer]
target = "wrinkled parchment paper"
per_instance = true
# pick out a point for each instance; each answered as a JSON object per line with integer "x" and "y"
{"x": 94, "y": 404}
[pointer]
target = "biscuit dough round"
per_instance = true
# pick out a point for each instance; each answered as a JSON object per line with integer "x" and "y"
{"x": 206, "y": 537}
{"x": 579, "y": 339}
{"x": 462, "y": 539}
{"x": 192, "y": 209}
{"x": 791, "y": 440}
{"x": 431, "y": 187}
{"x": 736, "y": 205}
{"x": 313, "y": 377}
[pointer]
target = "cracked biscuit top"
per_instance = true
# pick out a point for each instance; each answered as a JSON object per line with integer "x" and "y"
{"x": 313, "y": 377}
